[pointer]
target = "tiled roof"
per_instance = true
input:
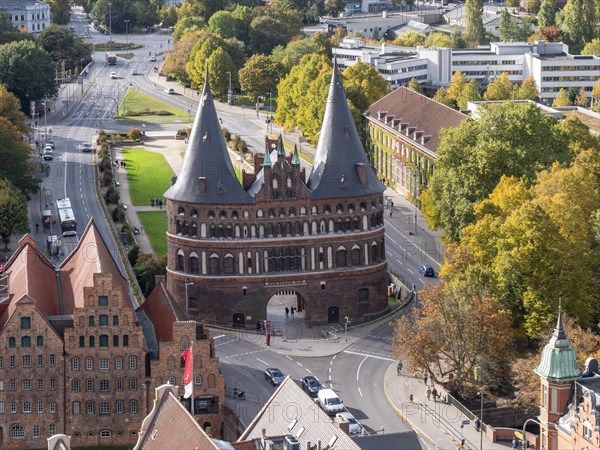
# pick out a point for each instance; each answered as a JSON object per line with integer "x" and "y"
{"x": 341, "y": 168}
{"x": 207, "y": 157}
{"x": 416, "y": 110}
{"x": 306, "y": 421}
{"x": 170, "y": 426}
{"x": 29, "y": 273}
{"x": 91, "y": 256}
{"x": 161, "y": 311}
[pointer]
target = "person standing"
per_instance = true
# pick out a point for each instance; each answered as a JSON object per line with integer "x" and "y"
{"x": 292, "y": 310}
{"x": 287, "y": 311}
{"x": 399, "y": 368}
{"x": 434, "y": 393}
{"x": 515, "y": 444}
{"x": 428, "y": 392}
{"x": 268, "y": 339}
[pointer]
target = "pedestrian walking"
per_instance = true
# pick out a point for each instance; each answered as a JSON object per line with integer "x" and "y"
{"x": 425, "y": 379}
{"x": 428, "y": 392}
{"x": 258, "y": 326}
{"x": 515, "y": 444}
{"x": 391, "y": 211}
{"x": 152, "y": 201}
{"x": 399, "y": 368}
{"x": 263, "y": 328}
{"x": 37, "y": 227}
{"x": 292, "y": 311}
{"x": 142, "y": 228}
{"x": 434, "y": 393}
{"x": 287, "y": 311}
{"x": 268, "y": 339}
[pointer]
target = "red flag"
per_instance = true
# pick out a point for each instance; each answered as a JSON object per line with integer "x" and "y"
{"x": 188, "y": 375}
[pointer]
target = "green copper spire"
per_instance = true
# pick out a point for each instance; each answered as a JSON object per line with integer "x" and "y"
{"x": 267, "y": 160}
{"x": 296, "y": 157}
{"x": 280, "y": 147}
{"x": 559, "y": 360}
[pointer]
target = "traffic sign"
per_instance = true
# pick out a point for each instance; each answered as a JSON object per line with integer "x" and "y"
{"x": 465, "y": 422}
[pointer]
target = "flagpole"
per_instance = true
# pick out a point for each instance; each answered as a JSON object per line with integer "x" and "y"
{"x": 192, "y": 356}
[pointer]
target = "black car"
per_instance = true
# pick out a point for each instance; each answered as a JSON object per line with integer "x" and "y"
{"x": 274, "y": 376}
{"x": 427, "y": 271}
{"x": 311, "y": 385}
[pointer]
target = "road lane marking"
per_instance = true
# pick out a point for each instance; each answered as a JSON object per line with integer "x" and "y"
{"x": 359, "y": 366}
{"x": 288, "y": 358}
{"x": 410, "y": 271}
{"x": 219, "y": 336}
{"x": 392, "y": 240}
{"x": 366, "y": 354}
{"x": 360, "y": 392}
{"x": 300, "y": 364}
{"x": 260, "y": 360}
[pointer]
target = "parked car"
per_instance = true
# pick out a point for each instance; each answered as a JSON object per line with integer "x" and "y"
{"x": 48, "y": 154}
{"x": 274, "y": 376}
{"x": 311, "y": 385}
{"x": 113, "y": 75}
{"x": 153, "y": 58}
{"x": 169, "y": 91}
{"x": 134, "y": 72}
{"x": 86, "y": 147}
{"x": 355, "y": 427}
{"x": 50, "y": 143}
{"x": 427, "y": 271}
{"x": 329, "y": 401}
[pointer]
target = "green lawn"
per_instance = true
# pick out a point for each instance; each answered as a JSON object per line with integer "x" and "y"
{"x": 136, "y": 100}
{"x": 148, "y": 173}
{"x": 155, "y": 227}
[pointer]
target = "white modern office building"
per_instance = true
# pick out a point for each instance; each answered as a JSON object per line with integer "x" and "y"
{"x": 549, "y": 63}
{"x": 30, "y": 16}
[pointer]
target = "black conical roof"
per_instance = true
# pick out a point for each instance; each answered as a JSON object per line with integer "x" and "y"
{"x": 341, "y": 167}
{"x": 207, "y": 157}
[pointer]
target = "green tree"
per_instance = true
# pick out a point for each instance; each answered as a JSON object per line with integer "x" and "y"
{"x": 290, "y": 55}
{"x": 581, "y": 99}
{"x": 439, "y": 40}
{"x": 366, "y": 81}
{"x": 334, "y": 7}
{"x": 13, "y": 211}
{"x": 500, "y": 89}
{"x": 61, "y": 11}
{"x": 456, "y": 88}
{"x": 62, "y": 45}
{"x": 414, "y": 85}
{"x": 528, "y": 90}
{"x": 27, "y": 72}
{"x": 533, "y": 6}
{"x": 147, "y": 266}
{"x": 508, "y": 139}
{"x": 458, "y": 39}
{"x": 562, "y": 99}
{"x": 474, "y": 22}
{"x": 596, "y": 91}
{"x": 14, "y": 157}
{"x": 580, "y": 21}
{"x": 592, "y": 47}
{"x": 259, "y": 76}
{"x": 457, "y": 330}
{"x": 471, "y": 93}
{"x": 441, "y": 96}
{"x": 10, "y": 109}
{"x": 219, "y": 64}
{"x": 224, "y": 24}
{"x": 168, "y": 16}
{"x": 187, "y": 25}
{"x": 196, "y": 66}
{"x": 272, "y": 27}
{"x": 410, "y": 39}
{"x": 505, "y": 28}
{"x": 547, "y": 14}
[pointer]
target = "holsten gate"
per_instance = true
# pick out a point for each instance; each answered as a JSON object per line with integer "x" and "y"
{"x": 232, "y": 246}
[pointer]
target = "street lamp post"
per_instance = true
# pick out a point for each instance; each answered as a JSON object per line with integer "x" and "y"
{"x": 126, "y": 31}
{"x": 524, "y": 440}
{"x": 481, "y": 421}
{"x": 110, "y": 20}
{"x": 187, "y": 299}
{"x": 229, "y": 92}
{"x": 416, "y": 193}
{"x": 45, "y": 123}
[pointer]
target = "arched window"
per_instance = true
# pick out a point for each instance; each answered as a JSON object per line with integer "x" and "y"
{"x": 180, "y": 260}
{"x": 198, "y": 380}
{"x": 350, "y": 207}
{"x": 193, "y": 304}
{"x": 103, "y": 340}
{"x": 339, "y": 227}
{"x": 222, "y": 215}
{"x": 92, "y": 341}
{"x": 194, "y": 229}
{"x": 125, "y": 340}
{"x": 178, "y": 226}
{"x": 25, "y": 341}
{"x": 281, "y": 212}
{"x": 229, "y": 231}
{"x": 246, "y": 214}
{"x": 91, "y": 321}
{"x": 339, "y": 208}
{"x": 271, "y": 212}
{"x": 213, "y": 266}
{"x": 260, "y": 214}
{"x": 373, "y": 252}
{"x": 115, "y": 321}
{"x": 315, "y": 210}
{"x": 229, "y": 264}
{"x": 340, "y": 257}
{"x": 356, "y": 223}
{"x": 81, "y": 341}
{"x": 186, "y": 229}
{"x": 212, "y": 233}
{"x": 327, "y": 209}
{"x": 302, "y": 211}
{"x": 194, "y": 213}
{"x": 180, "y": 211}
{"x": 12, "y": 342}
{"x": 103, "y": 320}
{"x": 292, "y": 211}
{"x": 171, "y": 380}
{"x": 270, "y": 230}
{"x": 171, "y": 362}
{"x": 210, "y": 214}
{"x": 355, "y": 256}
{"x": 39, "y": 341}
{"x": 17, "y": 431}
{"x": 194, "y": 265}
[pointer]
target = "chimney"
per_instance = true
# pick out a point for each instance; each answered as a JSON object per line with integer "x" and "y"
{"x": 202, "y": 184}
{"x": 362, "y": 174}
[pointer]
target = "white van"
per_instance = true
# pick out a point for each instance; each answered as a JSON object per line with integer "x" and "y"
{"x": 329, "y": 401}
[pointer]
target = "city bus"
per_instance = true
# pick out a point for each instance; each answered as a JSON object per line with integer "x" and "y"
{"x": 111, "y": 59}
{"x": 66, "y": 217}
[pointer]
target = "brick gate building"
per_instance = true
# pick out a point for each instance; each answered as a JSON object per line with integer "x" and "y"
{"x": 232, "y": 246}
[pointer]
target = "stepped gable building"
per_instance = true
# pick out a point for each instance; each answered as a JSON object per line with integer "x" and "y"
{"x": 232, "y": 247}
{"x": 75, "y": 354}
{"x": 570, "y": 400}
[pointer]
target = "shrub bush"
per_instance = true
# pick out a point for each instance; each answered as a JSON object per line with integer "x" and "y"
{"x": 132, "y": 254}
{"x": 118, "y": 215}
{"x": 242, "y": 146}
{"x": 226, "y": 134}
{"x": 135, "y": 134}
{"x": 107, "y": 178}
{"x": 235, "y": 141}
{"x": 112, "y": 196}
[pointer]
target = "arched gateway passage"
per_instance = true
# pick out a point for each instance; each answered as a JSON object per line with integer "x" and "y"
{"x": 281, "y": 323}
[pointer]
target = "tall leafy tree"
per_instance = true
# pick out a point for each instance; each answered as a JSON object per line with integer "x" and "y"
{"x": 219, "y": 64}
{"x": 458, "y": 329}
{"x": 500, "y": 89}
{"x": 168, "y": 16}
{"x": 259, "y": 76}
{"x": 458, "y": 39}
{"x": 62, "y": 45}
{"x": 14, "y": 157}
{"x": 13, "y": 211}
{"x": 592, "y": 47}
{"x": 365, "y": 81}
{"x": 147, "y": 266}
{"x": 562, "y": 99}
{"x": 508, "y": 139}
{"x": 475, "y": 32}
{"x": 547, "y": 14}
{"x": 10, "y": 109}
{"x": 187, "y": 24}
{"x": 439, "y": 40}
{"x": 471, "y": 93}
{"x": 27, "y": 72}
{"x": 528, "y": 90}
{"x": 224, "y": 24}
{"x": 581, "y": 99}
{"x": 61, "y": 11}
{"x": 441, "y": 96}
{"x": 290, "y": 55}
{"x": 414, "y": 85}
{"x": 456, "y": 88}
{"x": 177, "y": 58}
{"x": 271, "y": 27}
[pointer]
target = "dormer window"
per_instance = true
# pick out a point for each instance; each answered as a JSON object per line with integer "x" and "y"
{"x": 180, "y": 211}
{"x": 206, "y": 138}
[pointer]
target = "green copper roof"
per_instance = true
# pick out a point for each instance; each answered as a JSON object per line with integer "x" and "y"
{"x": 280, "y": 147}
{"x": 559, "y": 360}
{"x": 267, "y": 160}
{"x": 296, "y": 157}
